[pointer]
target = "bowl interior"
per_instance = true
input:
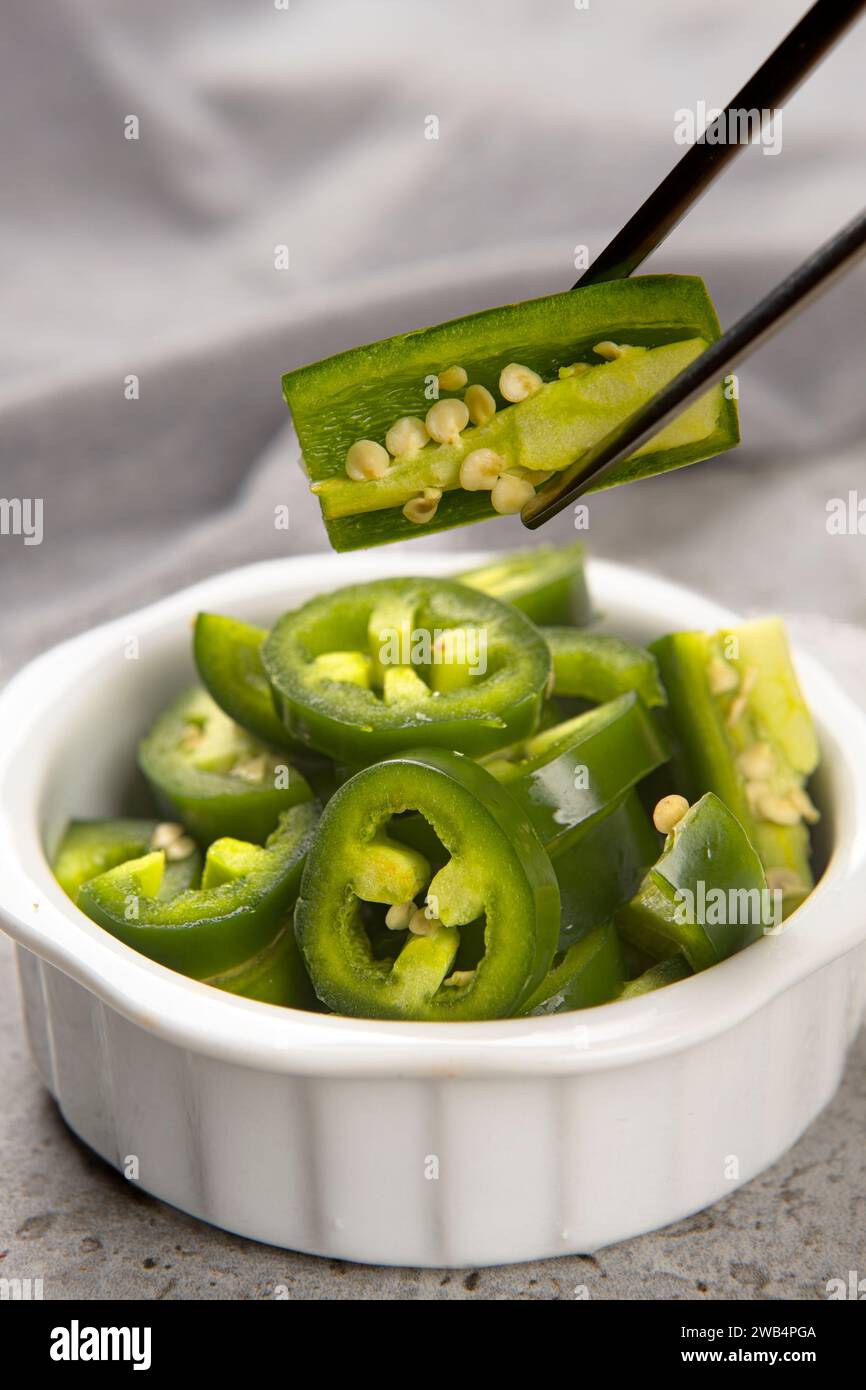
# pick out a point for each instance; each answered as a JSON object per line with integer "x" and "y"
{"x": 90, "y": 765}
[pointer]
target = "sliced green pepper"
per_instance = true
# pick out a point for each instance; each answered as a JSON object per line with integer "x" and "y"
{"x": 706, "y": 896}
{"x": 658, "y": 976}
{"x": 90, "y": 847}
{"x": 373, "y": 668}
{"x": 599, "y": 667}
{"x": 596, "y": 875}
{"x": 495, "y": 869}
{"x": 665, "y": 321}
{"x": 590, "y": 972}
{"x": 548, "y": 583}
{"x": 275, "y": 976}
{"x": 743, "y": 730}
{"x": 245, "y": 900}
{"x": 568, "y": 777}
{"x": 219, "y": 779}
{"x": 602, "y": 871}
{"x": 228, "y": 656}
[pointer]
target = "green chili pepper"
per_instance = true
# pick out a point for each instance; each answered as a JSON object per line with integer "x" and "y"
{"x": 215, "y": 776}
{"x": 547, "y": 583}
{"x": 706, "y": 896}
{"x": 596, "y": 875}
{"x": 597, "y": 667}
{"x": 495, "y": 869}
{"x": 590, "y": 972}
{"x": 373, "y": 668}
{"x": 602, "y": 871}
{"x": 245, "y": 900}
{"x": 228, "y": 656}
{"x": 574, "y": 399}
{"x": 743, "y": 730}
{"x": 90, "y": 847}
{"x": 568, "y": 777}
{"x": 658, "y": 976}
{"x": 275, "y": 976}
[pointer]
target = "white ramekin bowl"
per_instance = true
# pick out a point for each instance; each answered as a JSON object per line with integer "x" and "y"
{"x": 409, "y": 1144}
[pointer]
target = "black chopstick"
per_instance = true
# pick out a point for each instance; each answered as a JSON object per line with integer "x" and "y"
{"x": 784, "y": 70}
{"x": 809, "y": 279}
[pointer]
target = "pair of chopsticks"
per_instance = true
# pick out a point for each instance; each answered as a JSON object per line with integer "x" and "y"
{"x": 784, "y": 70}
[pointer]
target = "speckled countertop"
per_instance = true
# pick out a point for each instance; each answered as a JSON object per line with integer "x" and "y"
{"x": 70, "y": 1220}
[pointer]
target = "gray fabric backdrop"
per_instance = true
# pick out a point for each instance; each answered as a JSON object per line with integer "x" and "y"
{"x": 305, "y": 126}
{"x": 258, "y": 127}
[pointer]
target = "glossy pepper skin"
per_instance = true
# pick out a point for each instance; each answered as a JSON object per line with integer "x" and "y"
{"x": 213, "y": 776}
{"x": 360, "y": 393}
{"x": 547, "y": 583}
{"x": 590, "y": 972}
{"x": 598, "y": 667}
{"x": 91, "y": 847}
{"x": 603, "y": 870}
{"x": 731, "y": 692}
{"x": 228, "y": 656}
{"x": 495, "y": 869}
{"x": 597, "y": 874}
{"x": 706, "y": 897}
{"x": 275, "y": 976}
{"x": 573, "y": 774}
{"x": 658, "y": 976}
{"x": 246, "y": 899}
{"x": 356, "y": 672}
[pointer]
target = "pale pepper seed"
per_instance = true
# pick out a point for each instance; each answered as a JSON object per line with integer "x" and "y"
{"x": 181, "y": 848}
{"x": 422, "y": 509}
{"x": 756, "y": 761}
{"x": 408, "y": 435}
{"x": 422, "y": 925}
{"x": 511, "y": 494}
{"x": 166, "y": 833}
{"x": 452, "y": 379}
{"x": 480, "y": 404}
{"x": 459, "y": 977}
{"x": 446, "y": 419}
{"x": 365, "y": 460}
{"x": 398, "y": 915}
{"x": 669, "y": 812}
{"x": 778, "y": 809}
{"x": 480, "y": 470}
{"x": 517, "y": 382}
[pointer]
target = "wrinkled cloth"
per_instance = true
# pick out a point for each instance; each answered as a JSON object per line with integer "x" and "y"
{"x": 262, "y": 127}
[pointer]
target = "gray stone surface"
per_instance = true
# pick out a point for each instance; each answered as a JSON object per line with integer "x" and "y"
{"x": 68, "y": 1219}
